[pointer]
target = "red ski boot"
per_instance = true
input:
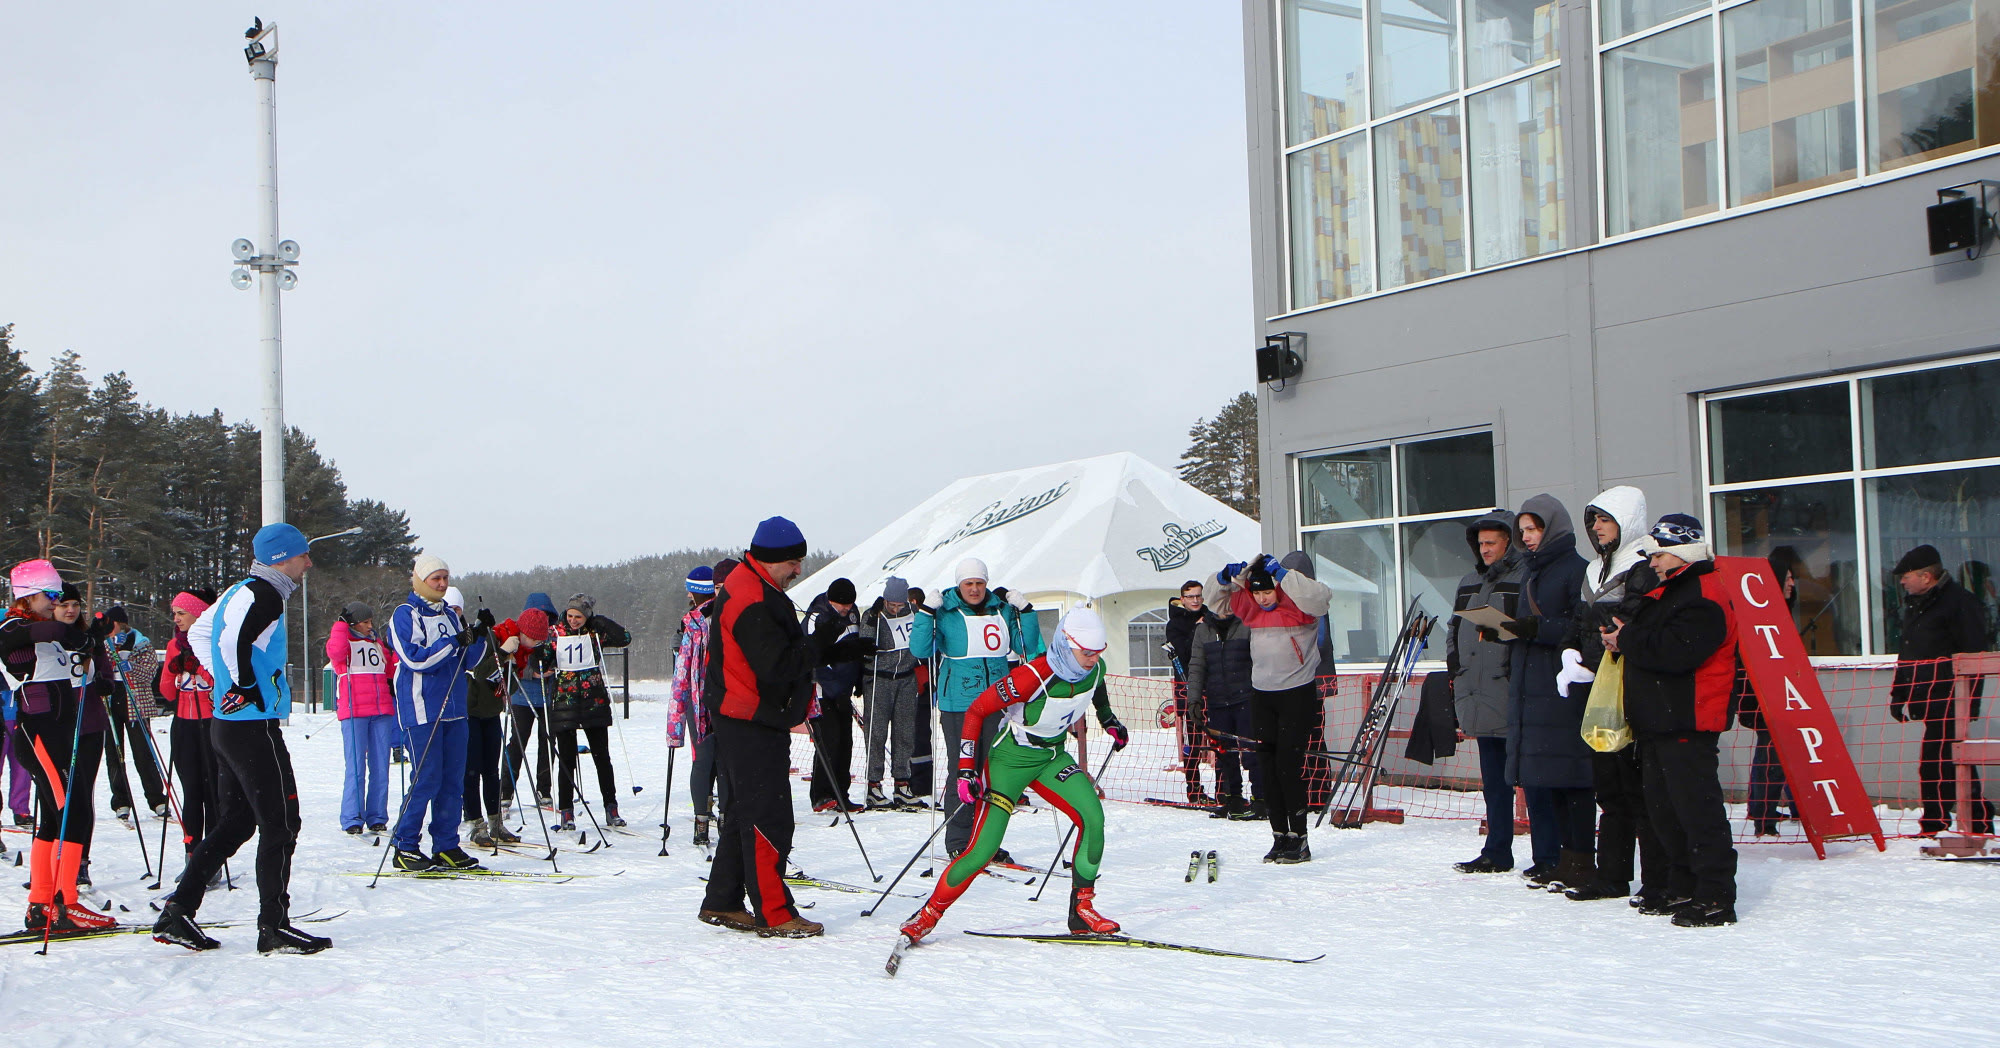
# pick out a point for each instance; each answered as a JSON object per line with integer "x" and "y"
{"x": 1083, "y": 916}
{"x": 922, "y": 922}
{"x": 74, "y": 916}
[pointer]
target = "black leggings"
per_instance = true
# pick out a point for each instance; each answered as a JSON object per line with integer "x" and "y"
{"x": 1283, "y": 722}
{"x": 600, "y": 752}
{"x": 194, "y": 761}
{"x": 43, "y": 741}
{"x": 256, "y": 794}
{"x": 482, "y": 765}
{"x": 129, "y": 735}
{"x": 525, "y": 721}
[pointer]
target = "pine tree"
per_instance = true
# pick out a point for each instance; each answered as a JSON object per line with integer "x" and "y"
{"x": 20, "y": 437}
{"x": 1221, "y": 458}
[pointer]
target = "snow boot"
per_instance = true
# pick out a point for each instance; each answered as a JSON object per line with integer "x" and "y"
{"x": 410, "y": 860}
{"x": 701, "y": 831}
{"x": 1705, "y": 915}
{"x": 177, "y": 926}
{"x": 1665, "y": 907}
{"x": 354, "y": 831}
{"x": 611, "y": 817}
{"x": 288, "y": 939}
{"x": 1598, "y": 888}
{"x": 1573, "y": 869}
{"x": 876, "y": 798}
{"x": 1539, "y": 875}
{"x": 1083, "y": 916}
{"x": 1278, "y": 846}
{"x": 922, "y": 922}
{"x": 796, "y": 928}
{"x": 734, "y": 920}
{"x": 1483, "y": 865}
{"x": 481, "y": 836}
{"x": 378, "y": 827}
{"x": 496, "y": 827}
{"x": 456, "y": 859}
{"x": 1295, "y": 851}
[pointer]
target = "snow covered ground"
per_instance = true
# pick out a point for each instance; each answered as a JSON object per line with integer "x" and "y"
{"x": 1841, "y": 952}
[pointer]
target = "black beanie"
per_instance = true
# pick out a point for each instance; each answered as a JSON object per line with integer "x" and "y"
{"x": 1918, "y": 559}
{"x": 841, "y": 592}
{"x": 116, "y": 613}
{"x": 1256, "y": 578}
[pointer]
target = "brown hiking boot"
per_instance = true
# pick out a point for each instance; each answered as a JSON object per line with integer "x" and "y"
{"x": 796, "y": 928}
{"x": 734, "y": 920}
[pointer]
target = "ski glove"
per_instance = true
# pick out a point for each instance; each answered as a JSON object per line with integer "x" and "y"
{"x": 484, "y": 619}
{"x": 1271, "y": 566}
{"x": 970, "y": 788}
{"x": 465, "y": 638}
{"x": 239, "y": 698}
{"x": 1229, "y": 572}
{"x": 1020, "y": 603}
{"x": 1119, "y": 736}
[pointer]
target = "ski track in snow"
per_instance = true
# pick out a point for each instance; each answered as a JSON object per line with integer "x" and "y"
{"x": 1842, "y": 952}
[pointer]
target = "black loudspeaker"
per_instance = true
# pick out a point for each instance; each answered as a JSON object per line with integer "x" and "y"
{"x": 1954, "y": 225}
{"x": 1277, "y": 361}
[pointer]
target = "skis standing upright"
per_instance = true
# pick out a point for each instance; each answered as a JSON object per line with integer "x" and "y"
{"x": 1356, "y": 770}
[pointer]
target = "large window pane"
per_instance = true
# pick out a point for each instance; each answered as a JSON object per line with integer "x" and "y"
{"x": 1349, "y": 485}
{"x": 1933, "y": 80}
{"x": 1507, "y": 36}
{"x": 1323, "y": 78}
{"x": 1958, "y": 511}
{"x": 1789, "y": 78}
{"x": 1420, "y": 175}
{"x": 1332, "y": 255}
{"x": 1145, "y": 640}
{"x": 1622, "y": 18}
{"x": 1932, "y": 416}
{"x": 1358, "y": 564}
{"x": 1447, "y": 474}
{"x": 1517, "y": 166}
{"x": 1659, "y": 129}
{"x": 1790, "y": 433}
{"x": 1812, "y": 527}
{"x": 1416, "y": 53}
{"x": 1435, "y": 557}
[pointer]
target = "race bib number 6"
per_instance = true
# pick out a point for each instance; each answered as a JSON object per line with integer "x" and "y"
{"x": 985, "y": 636}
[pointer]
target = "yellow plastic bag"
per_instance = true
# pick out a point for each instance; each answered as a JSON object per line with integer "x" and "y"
{"x": 1604, "y": 727}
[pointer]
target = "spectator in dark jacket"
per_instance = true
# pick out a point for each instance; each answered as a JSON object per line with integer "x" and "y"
{"x": 834, "y": 624}
{"x": 1184, "y": 616}
{"x": 1940, "y": 619}
{"x": 1679, "y": 660}
{"x": 1218, "y": 684}
{"x": 1479, "y": 663}
{"x": 1546, "y": 754}
{"x": 1767, "y": 777}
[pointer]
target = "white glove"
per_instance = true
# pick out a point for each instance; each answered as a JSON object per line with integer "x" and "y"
{"x": 1573, "y": 671}
{"x": 1019, "y": 602}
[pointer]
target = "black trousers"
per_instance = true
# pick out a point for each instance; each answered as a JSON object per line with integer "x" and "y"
{"x": 751, "y": 850}
{"x": 1192, "y": 718}
{"x": 1937, "y": 776}
{"x": 193, "y": 754}
{"x": 526, "y": 719}
{"x": 127, "y": 734}
{"x": 1684, "y": 798}
{"x": 1576, "y": 817}
{"x": 959, "y": 816}
{"x": 1233, "y": 753}
{"x": 1283, "y": 722}
{"x": 482, "y": 766}
{"x": 257, "y": 794}
{"x": 43, "y": 741}
{"x": 1621, "y": 795}
{"x": 833, "y": 739}
{"x": 599, "y": 737}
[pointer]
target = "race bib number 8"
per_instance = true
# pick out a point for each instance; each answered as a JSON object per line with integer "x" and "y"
{"x": 576, "y": 654}
{"x": 365, "y": 658}
{"x": 985, "y": 637}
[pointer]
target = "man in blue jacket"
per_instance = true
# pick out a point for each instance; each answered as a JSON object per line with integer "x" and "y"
{"x": 971, "y": 638}
{"x": 434, "y": 649}
{"x": 241, "y": 641}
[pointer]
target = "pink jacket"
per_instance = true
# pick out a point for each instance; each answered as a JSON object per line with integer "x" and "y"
{"x": 361, "y": 691}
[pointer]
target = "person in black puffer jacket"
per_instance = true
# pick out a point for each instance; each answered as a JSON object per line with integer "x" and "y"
{"x": 1184, "y": 616}
{"x": 1546, "y": 754}
{"x": 1940, "y": 619}
{"x": 579, "y": 701}
{"x": 1218, "y": 684}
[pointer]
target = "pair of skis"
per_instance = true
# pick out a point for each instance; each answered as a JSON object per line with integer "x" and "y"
{"x": 21, "y": 937}
{"x": 903, "y": 945}
{"x": 1195, "y": 861}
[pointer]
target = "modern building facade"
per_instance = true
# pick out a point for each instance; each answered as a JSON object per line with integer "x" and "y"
{"x": 1556, "y": 245}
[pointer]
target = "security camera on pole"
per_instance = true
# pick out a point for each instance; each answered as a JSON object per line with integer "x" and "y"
{"x": 271, "y": 259}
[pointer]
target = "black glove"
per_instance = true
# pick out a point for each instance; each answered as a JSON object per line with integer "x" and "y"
{"x": 1524, "y": 628}
{"x": 101, "y": 627}
{"x": 238, "y": 698}
{"x": 1487, "y": 635}
{"x": 484, "y": 618}
{"x": 543, "y": 657}
{"x": 465, "y": 638}
{"x": 1896, "y": 711}
{"x": 1119, "y": 736}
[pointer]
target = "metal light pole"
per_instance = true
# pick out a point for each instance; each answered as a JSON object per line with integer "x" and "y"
{"x": 271, "y": 259}
{"x": 306, "y": 613}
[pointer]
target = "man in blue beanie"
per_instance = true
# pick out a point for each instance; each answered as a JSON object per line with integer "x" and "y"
{"x": 241, "y": 641}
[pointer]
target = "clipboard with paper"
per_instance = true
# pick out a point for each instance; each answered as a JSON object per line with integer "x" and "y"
{"x": 1487, "y": 616}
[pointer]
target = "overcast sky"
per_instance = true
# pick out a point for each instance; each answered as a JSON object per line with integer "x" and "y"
{"x": 577, "y": 287}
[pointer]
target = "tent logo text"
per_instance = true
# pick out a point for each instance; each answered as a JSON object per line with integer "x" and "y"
{"x": 998, "y": 513}
{"x": 1180, "y": 540}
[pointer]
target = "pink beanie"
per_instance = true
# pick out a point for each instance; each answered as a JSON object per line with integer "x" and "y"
{"x": 30, "y": 576}
{"x": 189, "y": 603}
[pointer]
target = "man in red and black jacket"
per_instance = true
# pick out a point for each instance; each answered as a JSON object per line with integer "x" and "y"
{"x": 1678, "y": 651}
{"x": 759, "y": 687}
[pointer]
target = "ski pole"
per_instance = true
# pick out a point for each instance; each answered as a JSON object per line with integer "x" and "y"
{"x": 827, "y": 767}
{"x": 117, "y": 753}
{"x": 667, "y": 806}
{"x": 62, "y": 830}
{"x": 921, "y": 849}
{"x": 1057, "y": 861}
{"x": 173, "y": 808}
{"x": 541, "y": 816}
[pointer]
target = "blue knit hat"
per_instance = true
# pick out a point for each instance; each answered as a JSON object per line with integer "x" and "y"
{"x": 277, "y": 542}
{"x": 778, "y": 540}
{"x": 701, "y": 580}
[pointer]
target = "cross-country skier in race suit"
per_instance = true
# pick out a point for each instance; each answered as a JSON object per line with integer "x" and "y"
{"x": 1040, "y": 701}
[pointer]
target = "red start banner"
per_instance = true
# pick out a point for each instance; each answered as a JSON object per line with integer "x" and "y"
{"x": 1826, "y": 789}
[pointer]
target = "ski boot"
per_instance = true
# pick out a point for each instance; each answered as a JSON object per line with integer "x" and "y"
{"x": 496, "y": 827}
{"x": 904, "y": 799}
{"x": 76, "y": 917}
{"x": 288, "y": 939}
{"x": 611, "y": 817}
{"x": 83, "y": 875}
{"x": 410, "y": 860}
{"x": 1083, "y": 916}
{"x": 876, "y": 798}
{"x": 38, "y": 917}
{"x": 378, "y": 827}
{"x": 176, "y": 926}
{"x": 455, "y": 859}
{"x": 567, "y": 824}
{"x": 353, "y": 831}
{"x": 160, "y": 811}
{"x": 922, "y": 922}
{"x": 481, "y": 836}
{"x": 123, "y": 815}
{"x": 701, "y": 831}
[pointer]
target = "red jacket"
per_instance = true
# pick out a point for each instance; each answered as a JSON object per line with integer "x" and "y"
{"x": 184, "y": 683}
{"x": 1679, "y": 655}
{"x": 760, "y": 660}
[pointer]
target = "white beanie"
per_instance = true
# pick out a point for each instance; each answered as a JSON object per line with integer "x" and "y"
{"x": 452, "y": 597}
{"x": 972, "y": 568}
{"x": 1084, "y": 629}
{"x": 428, "y": 564}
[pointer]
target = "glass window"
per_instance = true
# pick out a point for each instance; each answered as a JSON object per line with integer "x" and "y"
{"x": 1145, "y": 639}
{"x": 1359, "y": 565}
{"x": 1933, "y": 84}
{"x": 1659, "y": 128}
{"x": 1454, "y": 473}
{"x": 1789, "y": 77}
{"x": 1331, "y": 236}
{"x": 1958, "y": 511}
{"x": 1435, "y": 557}
{"x": 1810, "y": 526}
{"x": 1323, "y": 48}
{"x": 1790, "y": 433}
{"x": 1622, "y": 18}
{"x": 1420, "y": 172}
{"x": 1347, "y": 485}
{"x": 1936, "y": 415}
{"x": 1416, "y": 53}
{"x": 1507, "y": 36}
{"x": 1517, "y": 171}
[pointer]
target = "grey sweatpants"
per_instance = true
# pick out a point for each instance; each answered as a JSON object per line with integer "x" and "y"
{"x": 890, "y": 710}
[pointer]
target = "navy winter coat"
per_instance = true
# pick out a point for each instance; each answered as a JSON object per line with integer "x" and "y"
{"x": 1545, "y": 746}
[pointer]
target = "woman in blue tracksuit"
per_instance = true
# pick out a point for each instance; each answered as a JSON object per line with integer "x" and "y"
{"x": 434, "y": 649}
